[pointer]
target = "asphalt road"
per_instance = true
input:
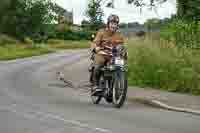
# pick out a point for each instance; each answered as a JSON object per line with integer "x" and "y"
{"x": 32, "y": 100}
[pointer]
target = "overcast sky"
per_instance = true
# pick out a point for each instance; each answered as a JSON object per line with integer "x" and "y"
{"x": 127, "y": 13}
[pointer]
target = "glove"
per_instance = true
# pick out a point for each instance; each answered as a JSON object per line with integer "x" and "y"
{"x": 97, "y": 49}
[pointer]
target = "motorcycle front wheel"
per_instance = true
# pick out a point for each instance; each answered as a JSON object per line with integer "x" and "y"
{"x": 119, "y": 89}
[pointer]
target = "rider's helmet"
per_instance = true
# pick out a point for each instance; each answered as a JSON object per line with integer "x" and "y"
{"x": 113, "y": 22}
{"x": 113, "y": 18}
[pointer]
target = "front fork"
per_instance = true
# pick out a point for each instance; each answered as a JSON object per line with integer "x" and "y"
{"x": 109, "y": 82}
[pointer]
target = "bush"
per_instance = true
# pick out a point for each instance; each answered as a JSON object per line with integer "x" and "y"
{"x": 140, "y": 34}
{"x": 172, "y": 69}
{"x": 4, "y": 39}
{"x": 54, "y": 41}
{"x": 71, "y": 35}
{"x": 28, "y": 40}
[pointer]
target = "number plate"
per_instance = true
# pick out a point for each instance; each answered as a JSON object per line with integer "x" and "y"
{"x": 119, "y": 61}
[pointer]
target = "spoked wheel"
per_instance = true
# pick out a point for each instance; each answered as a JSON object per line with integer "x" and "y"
{"x": 96, "y": 98}
{"x": 109, "y": 97}
{"x": 119, "y": 90}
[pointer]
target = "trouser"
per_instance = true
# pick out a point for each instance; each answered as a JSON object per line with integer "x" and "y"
{"x": 99, "y": 63}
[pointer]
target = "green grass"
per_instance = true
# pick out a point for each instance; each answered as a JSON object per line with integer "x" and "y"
{"x": 14, "y": 51}
{"x": 160, "y": 65}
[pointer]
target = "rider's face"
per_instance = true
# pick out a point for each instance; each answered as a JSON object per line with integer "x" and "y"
{"x": 113, "y": 26}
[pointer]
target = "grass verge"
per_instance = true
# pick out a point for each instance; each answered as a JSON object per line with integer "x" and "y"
{"x": 14, "y": 51}
{"x": 156, "y": 64}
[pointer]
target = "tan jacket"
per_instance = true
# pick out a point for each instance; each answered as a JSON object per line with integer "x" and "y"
{"x": 106, "y": 35}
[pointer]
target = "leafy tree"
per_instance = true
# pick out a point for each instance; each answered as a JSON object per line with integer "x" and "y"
{"x": 95, "y": 14}
{"x": 133, "y": 24}
{"x": 85, "y": 24}
{"x": 189, "y": 9}
{"x": 3, "y": 6}
{"x": 24, "y": 18}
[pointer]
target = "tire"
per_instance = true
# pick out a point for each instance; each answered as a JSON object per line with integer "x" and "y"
{"x": 109, "y": 100}
{"x": 120, "y": 82}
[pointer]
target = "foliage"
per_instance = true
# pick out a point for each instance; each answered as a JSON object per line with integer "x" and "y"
{"x": 32, "y": 19}
{"x": 188, "y": 9}
{"x": 4, "y": 40}
{"x": 153, "y": 24}
{"x": 21, "y": 50}
{"x": 185, "y": 34}
{"x": 85, "y": 24}
{"x": 4, "y": 5}
{"x": 155, "y": 64}
{"x": 95, "y": 14}
{"x": 26, "y": 18}
{"x": 9, "y": 52}
{"x": 72, "y": 35}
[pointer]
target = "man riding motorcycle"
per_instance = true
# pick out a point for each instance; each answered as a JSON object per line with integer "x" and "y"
{"x": 105, "y": 37}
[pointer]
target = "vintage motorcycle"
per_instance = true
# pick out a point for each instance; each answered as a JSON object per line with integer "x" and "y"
{"x": 113, "y": 80}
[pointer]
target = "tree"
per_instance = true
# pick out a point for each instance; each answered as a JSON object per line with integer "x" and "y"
{"x": 57, "y": 9}
{"x": 26, "y": 18}
{"x": 189, "y": 9}
{"x": 152, "y": 24}
{"x": 85, "y": 24}
{"x": 133, "y": 24}
{"x": 3, "y": 6}
{"x": 95, "y": 14}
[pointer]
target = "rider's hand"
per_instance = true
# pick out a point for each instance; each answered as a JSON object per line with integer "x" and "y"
{"x": 106, "y": 42}
{"x": 117, "y": 41}
{"x": 97, "y": 49}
